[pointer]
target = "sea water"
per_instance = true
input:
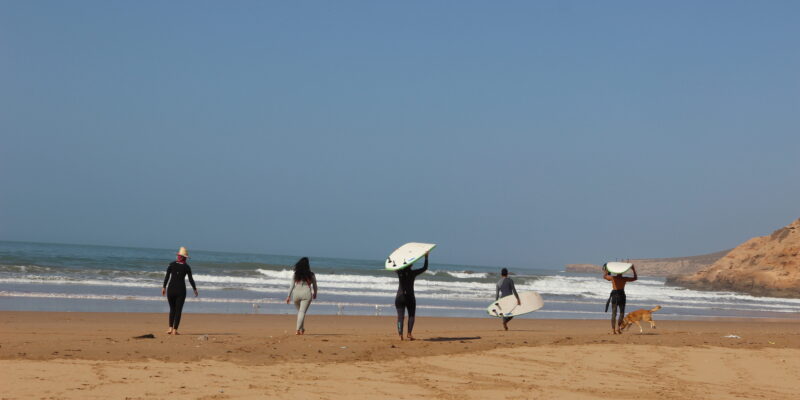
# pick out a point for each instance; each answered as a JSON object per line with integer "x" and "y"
{"x": 57, "y": 277}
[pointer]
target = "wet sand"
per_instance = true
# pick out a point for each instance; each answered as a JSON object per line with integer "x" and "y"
{"x": 95, "y": 355}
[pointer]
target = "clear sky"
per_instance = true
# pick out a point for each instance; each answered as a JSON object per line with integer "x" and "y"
{"x": 526, "y": 134}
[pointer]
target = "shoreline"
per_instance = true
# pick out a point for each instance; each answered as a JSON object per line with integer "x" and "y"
{"x": 387, "y": 312}
{"x": 222, "y": 356}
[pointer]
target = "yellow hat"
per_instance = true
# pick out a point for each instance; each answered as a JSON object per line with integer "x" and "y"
{"x": 183, "y": 252}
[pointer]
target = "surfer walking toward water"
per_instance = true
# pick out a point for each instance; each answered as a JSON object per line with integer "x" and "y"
{"x": 405, "y": 299}
{"x": 617, "y": 297}
{"x": 505, "y": 287}
{"x": 302, "y": 291}
{"x": 175, "y": 288}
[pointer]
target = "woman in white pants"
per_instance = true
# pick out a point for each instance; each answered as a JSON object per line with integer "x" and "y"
{"x": 302, "y": 291}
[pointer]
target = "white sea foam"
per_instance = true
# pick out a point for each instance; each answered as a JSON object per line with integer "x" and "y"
{"x": 641, "y": 289}
{"x": 76, "y": 296}
{"x": 23, "y": 268}
{"x": 386, "y": 305}
{"x": 118, "y": 282}
{"x": 467, "y": 275}
{"x": 61, "y": 280}
{"x": 567, "y": 289}
{"x": 460, "y": 274}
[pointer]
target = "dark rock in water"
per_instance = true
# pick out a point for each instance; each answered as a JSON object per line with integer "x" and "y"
{"x": 147, "y": 336}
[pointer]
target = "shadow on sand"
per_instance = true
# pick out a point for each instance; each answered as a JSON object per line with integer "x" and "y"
{"x": 451, "y": 339}
{"x": 324, "y": 334}
{"x": 205, "y": 333}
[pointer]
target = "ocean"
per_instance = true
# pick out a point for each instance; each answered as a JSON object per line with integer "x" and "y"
{"x": 60, "y": 277}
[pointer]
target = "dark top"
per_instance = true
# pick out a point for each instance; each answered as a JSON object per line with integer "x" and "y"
{"x": 406, "y": 279}
{"x": 176, "y": 274}
{"x": 505, "y": 287}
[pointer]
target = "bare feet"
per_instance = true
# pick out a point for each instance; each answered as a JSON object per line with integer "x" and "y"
{"x": 169, "y": 332}
{"x": 401, "y": 337}
{"x": 505, "y": 325}
{"x": 410, "y": 337}
{"x": 298, "y": 333}
{"x": 302, "y": 331}
{"x": 175, "y": 332}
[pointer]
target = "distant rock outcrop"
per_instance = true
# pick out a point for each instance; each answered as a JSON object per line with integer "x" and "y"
{"x": 660, "y": 266}
{"x": 588, "y": 268}
{"x": 762, "y": 266}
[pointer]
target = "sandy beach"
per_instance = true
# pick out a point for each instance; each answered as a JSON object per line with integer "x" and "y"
{"x": 95, "y": 355}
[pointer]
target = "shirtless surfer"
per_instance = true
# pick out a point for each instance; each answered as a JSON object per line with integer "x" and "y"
{"x": 617, "y": 297}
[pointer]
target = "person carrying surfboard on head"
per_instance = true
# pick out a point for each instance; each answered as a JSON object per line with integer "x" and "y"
{"x": 505, "y": 287}
{"x": 405, "y": 299}
{"x": 617, "y": 297}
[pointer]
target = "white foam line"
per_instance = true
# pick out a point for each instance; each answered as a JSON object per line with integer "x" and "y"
{"x": 207, "y": 300}
{"x": 459, "y": 274}
{"x": 60, "y": 280}
{"x": 644, "y": 290}
{"x": 279, "y": 301}
{"x": 681, "y": 304}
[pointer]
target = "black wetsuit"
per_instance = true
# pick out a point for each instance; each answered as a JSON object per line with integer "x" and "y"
{"x": 176, "y": 291}
{"x": 617, "y": 300}
{"x": 405, "y": 296}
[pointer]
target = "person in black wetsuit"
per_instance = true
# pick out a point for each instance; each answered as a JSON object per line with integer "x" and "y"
{"x": 405, "y": 297}
{"x": 175, "y": 288}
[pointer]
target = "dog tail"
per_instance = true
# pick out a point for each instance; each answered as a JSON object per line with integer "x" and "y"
{"x": 656, "y": 308}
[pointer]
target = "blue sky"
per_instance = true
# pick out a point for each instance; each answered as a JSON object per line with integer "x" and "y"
{"x": 527, "y": 134}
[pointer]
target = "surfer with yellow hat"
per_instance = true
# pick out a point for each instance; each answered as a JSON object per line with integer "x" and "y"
{"x": 175, "y": 288}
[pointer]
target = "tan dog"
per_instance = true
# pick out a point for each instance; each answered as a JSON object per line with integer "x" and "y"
{"x": 639, "y": 315}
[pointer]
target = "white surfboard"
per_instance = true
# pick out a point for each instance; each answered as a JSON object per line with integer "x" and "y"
{"x": 618, "y": 267}
{"x": 508, "y": 307}
{"x": 407, "y": 254}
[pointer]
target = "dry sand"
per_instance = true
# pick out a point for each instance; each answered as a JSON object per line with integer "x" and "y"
{"x": 94, "y": 355}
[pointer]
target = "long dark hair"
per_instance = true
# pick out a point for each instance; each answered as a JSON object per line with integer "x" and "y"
{"x": 302, "y": 270}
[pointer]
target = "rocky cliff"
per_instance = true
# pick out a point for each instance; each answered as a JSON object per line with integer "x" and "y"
{"x": 660, "y": 266}
{"x": 762, "y": 266}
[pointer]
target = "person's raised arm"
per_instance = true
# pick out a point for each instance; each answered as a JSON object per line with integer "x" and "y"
{"x": 424, "y": 267}
{"x": 606, "y": 274}
{"x": 191, "y": 280}
{"x": 635, "y": 277}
